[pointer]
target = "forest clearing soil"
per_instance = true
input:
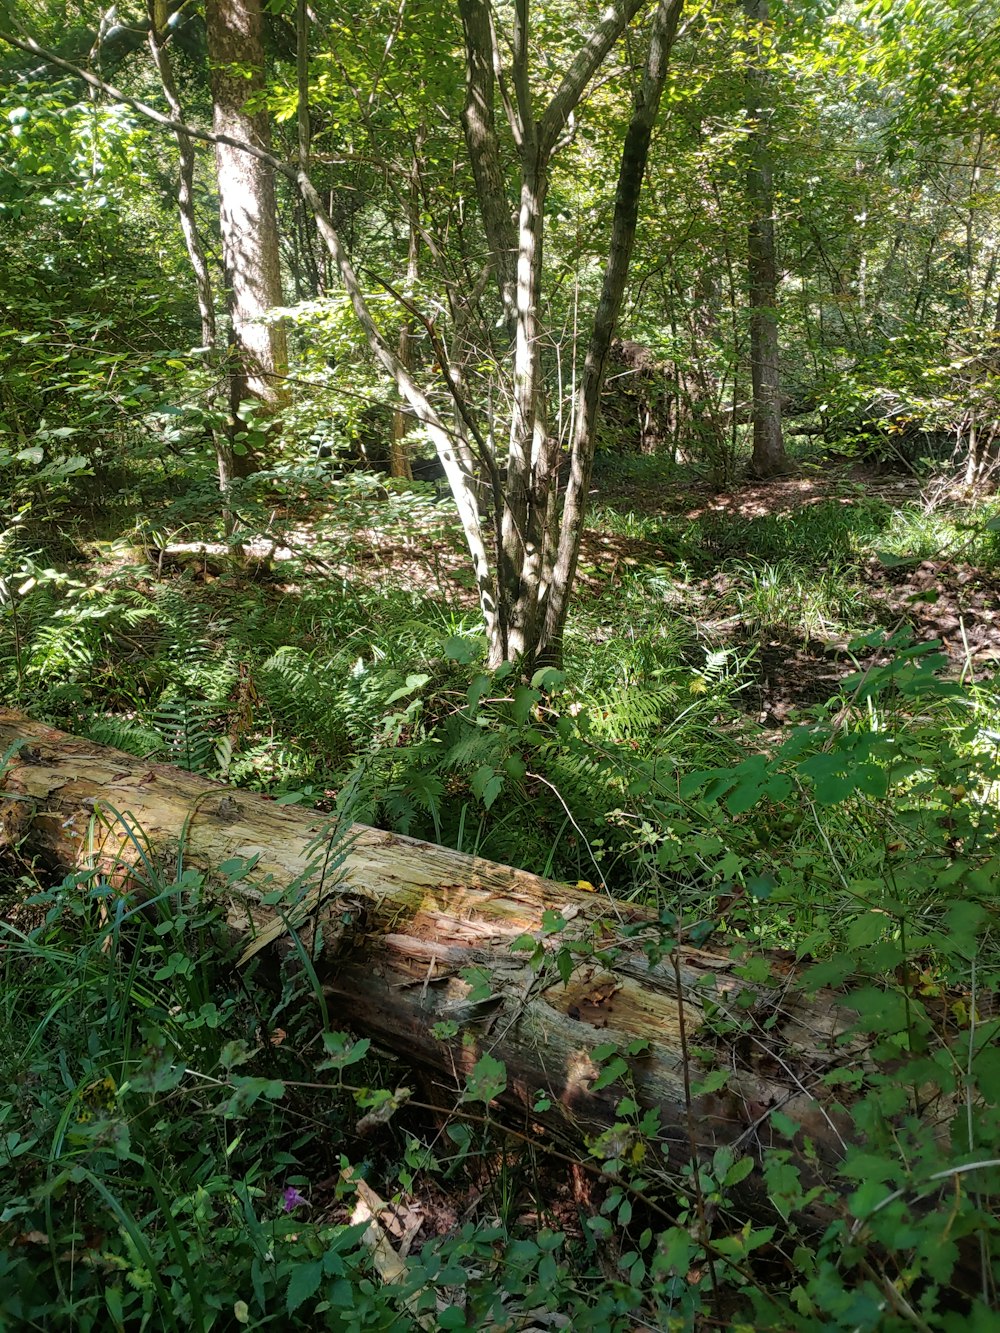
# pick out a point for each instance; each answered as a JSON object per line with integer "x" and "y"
{"x": 934, "y": 599}
{"x": 786, "y": 670}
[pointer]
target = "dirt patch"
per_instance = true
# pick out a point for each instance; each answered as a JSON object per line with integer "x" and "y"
{"x": 786, "y": 495}
{"x": 937, "y": 599}
{"x": 789, "y": 678}
{"x": 934, "y": 601}
{"x": 694, "y": 499}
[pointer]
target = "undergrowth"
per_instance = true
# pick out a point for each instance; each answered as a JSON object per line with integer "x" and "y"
{"x": 171, "y": 1161}
{"x": 181, "y": 1153}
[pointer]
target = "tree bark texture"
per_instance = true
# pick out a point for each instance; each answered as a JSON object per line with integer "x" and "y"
{"x": 483, "y": 146}
{"x": 632, "y": 169}
{"x": 247, "y": 211}
{"x": 769, "y": 456}
{"x": 402, "y": 421}
{"x": 224, "y": 459}
{"x": 537, "y": 558}
{"x": 424, "y": 922}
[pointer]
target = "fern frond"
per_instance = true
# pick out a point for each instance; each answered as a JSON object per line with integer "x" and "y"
{"x": 632, "y": 712}
{"x": 125, "y": 734}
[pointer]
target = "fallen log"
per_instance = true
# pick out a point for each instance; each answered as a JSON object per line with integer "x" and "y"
{"x": 424, "y": 963}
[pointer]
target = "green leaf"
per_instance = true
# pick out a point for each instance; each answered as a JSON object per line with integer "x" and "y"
{"x": 452, "y": 1317}
{"x": 113, "y": 1300}
{"x": 475, "y": 692}
{"x": 783, "y": 1185}
{"x": 713, "y": 1081}
{"x": 612, "y": 1071}
{"x": 739, "y": 1171}
{"x": 547, "y": 678}
{"x": 552, "y": 921}
{"x": 524, "y": 700}
{"x": 986, "y": 1070}
{"x": 744, "y": 798}
{"x": 342, "y": 1051}
{"x": 303, "y": 1283}
{"x": 413, "y": 682}
{"x": 867, "y": 928}
{"x": 486, "y": 1081}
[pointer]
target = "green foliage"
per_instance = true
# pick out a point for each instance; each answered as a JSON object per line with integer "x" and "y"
{"x": 863, "y": 839}
{"x": 163, "y": 1155}
{"x": 144, "y": 1174}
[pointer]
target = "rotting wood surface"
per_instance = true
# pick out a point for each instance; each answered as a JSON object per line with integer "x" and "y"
{"x": 406, "y": 920}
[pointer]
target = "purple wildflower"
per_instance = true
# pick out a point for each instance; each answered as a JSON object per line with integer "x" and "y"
{"x": 293, "y": 1199}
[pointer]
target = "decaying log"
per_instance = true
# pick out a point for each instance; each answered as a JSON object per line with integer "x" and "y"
{"x": 421, "y": 916}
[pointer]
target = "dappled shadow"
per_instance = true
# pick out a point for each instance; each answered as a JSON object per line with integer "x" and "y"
{"x": 786, "y": 495}
{"x": 941, "y": 599}
{"x": 789, "y": 670}
{"x": 786, "y": 677}
{"x": 780, "y": 572}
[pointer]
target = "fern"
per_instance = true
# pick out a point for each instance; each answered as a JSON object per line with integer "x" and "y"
{"x": 65, "y": 650}
{"x": 472, "y": 747}
{"x": 189, "y": 641}
{"x": 125, "y": 734}
{"x": 306, "y": 696}
{"x": 183, "y": 726}
{"x": 632, "y": 712}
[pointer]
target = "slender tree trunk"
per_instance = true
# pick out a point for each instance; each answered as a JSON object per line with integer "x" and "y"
{"x": 192, "y": 240}
{"x": 447, "y": 444}
{"x": 769, "y": 456}
{"x": 528, "y": 511}
{"x": 247, "y": 211}
{"x": 632, "y": 169}
{"x": 402, "y": 420}
{"x": 531, "y": 458}
{"x": 479, "y": 123}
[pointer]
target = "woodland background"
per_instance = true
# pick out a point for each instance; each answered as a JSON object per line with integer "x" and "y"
{"x": 567, "y": 435}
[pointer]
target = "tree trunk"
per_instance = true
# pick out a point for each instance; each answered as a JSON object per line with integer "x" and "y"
{"x": 247, "y": 211}
{"x": 531, "y": 457}
{"x": 527, "y": 548}
{"x": 426, "y": 962}
{"x": 632, "y": 169}
{"x": 402, "y": 420}
{"x": 224, "y": 460}
{"x": 769, "y": 456}
{"x": 483, "y": 146}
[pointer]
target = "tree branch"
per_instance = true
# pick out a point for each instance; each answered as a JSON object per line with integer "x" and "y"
{"x": 478, "y": 122}
{"x": 29, "y": 45}
{"x": 586, "y": 63}
{"x": 631, "y": 171}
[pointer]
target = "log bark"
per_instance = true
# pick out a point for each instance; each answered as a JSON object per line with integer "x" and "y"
{"x": 424, "y": 921}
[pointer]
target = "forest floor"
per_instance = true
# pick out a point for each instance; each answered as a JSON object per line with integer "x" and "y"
{"x": 939, "y": 597}
{"x": 786, "y": 574}
{"x": 340, "y": 658}
{"x": 747, "y": 566}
